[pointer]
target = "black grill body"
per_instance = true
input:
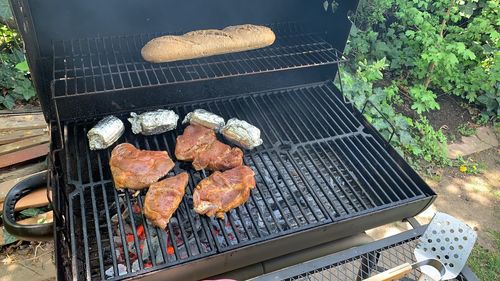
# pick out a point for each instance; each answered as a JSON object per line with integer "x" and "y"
{"x": 323, "y": 172}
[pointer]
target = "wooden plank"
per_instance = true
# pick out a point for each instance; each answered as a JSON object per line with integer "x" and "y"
{"x": 17, "y": 135}
{"x": 24, "y": 155}
{"x": 21, "y": 171}
{"x": 23, "y": 144}
{"x": 22, "y": 122}
{"x": 7, "y": 185}
{"x": 47, "y": 216}
{"x": 36, "y": 198}
{"x": 22, "y": 111}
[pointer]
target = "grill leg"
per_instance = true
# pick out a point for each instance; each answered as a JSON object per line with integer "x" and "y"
{"x": 369, "y": 261}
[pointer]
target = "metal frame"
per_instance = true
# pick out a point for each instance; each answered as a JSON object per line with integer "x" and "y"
{"x": 320, "y": 165}
{"x": 368, "y": 254}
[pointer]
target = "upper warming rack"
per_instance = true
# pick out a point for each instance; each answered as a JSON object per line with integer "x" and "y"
{"x": 105, "y": 64}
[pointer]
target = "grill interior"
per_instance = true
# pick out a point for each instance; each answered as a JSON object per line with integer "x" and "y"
{"x": 318, "y": 165}
{"x": 102, "y": 64}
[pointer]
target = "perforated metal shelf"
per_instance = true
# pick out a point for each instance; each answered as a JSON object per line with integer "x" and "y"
{"x": 361, "y": 262}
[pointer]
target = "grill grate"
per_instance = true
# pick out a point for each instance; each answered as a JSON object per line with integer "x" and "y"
{"x": 317, "y": 165}
{"x": 103, "y": 64}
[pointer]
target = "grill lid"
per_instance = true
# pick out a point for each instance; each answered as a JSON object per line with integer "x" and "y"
{"x": 91, "y": 47}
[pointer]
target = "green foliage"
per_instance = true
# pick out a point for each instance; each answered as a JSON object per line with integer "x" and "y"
{"x": 431, "y": 143}
{"x": 14, "y": 82}
{"x": 5, "y": 12}
{"x": 423, "y": 99}
{"x": 31, "y": 212}
{"x": 485, "y": 263}
{"x": 443, "y": 46}
{"x": 468, "y": 166}
{"x": 7, "y": 237}
{"x": 466, "y": 130}
{"x": 413, "y": 139}
{"x": 404, "y": 53}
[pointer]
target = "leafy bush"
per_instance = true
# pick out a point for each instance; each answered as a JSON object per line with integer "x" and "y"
{"x": 414, "y": 139}
{"x": 14, "y": 82}
{"x": 404, "y": 53}
{"x": 444, "y": 46}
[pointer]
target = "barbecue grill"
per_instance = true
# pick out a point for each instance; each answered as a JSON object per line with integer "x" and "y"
{"x": 322, "y": 173}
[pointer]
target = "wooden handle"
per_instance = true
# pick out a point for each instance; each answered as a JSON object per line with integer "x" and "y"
{"x": 392, "y": 274}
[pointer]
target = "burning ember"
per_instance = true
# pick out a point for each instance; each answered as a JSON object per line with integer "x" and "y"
{"x": 145, "y": 245}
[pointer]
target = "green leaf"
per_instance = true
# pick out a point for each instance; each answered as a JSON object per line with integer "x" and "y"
{"x": 23, "y": 66}
{"x": 7, "y": 237}
{"x": 468, "y": 9}
{"x": 5, "y": 12}
{"x": 468, "y": 54}
{"x": 406, "y": 138}
{"x": 9, "y": 102}
{"x": 31, "y": 212}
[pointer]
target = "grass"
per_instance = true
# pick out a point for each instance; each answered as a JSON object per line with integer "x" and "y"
{"x": 484, "y": 262}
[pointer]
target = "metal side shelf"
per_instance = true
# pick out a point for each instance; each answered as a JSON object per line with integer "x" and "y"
{"x": 363, "y": 261}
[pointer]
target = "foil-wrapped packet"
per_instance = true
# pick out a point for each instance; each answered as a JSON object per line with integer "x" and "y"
{"x": 204, "y": 118}
{"x": 242, "y": 133}
{"x": 153, "y": 122}
{"x": 105, "y": 133}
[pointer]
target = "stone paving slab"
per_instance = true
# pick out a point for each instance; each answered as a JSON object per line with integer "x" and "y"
{"x": 485, "y": 138}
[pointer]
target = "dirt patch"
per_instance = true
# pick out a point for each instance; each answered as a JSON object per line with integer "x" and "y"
{"x": 27, "y": 261}
{"x": 474, "y": 199}
{"x": 450, "y": 116}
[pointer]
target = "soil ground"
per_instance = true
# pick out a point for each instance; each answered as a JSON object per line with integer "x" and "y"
{"x": 450, "y": 116}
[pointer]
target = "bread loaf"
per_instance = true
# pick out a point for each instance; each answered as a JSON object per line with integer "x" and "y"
{"x": 204, "y": 43}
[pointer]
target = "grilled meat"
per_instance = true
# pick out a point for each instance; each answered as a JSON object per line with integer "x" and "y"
{"x": 221, "y": 192}
{"x": 137, "y": 169}
{"x": 163, "y": 198}
{"x": 218, "y": 157}
{"x": 199, "y": 144}
{"x": 194, "y": 139}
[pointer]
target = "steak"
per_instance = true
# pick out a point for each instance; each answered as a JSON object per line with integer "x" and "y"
{"x": 137, "y": 169}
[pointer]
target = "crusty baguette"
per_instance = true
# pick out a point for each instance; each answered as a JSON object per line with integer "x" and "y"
{"x": 203, "y": 43}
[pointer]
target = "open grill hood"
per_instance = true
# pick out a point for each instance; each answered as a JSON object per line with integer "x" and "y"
{"x": 77, "y": 49}
{"x": 322, "y": 173}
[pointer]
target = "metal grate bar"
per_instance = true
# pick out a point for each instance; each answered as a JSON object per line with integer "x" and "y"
{"x": 114, "y": 63}
{"x": 322, "y": 175}
{"x": 318, "y": 164}
{"x": 294, "y": 197}
{"x": 108, "y": 223}
{"x": 322, "y": 123}
{"x": 316, "y": 167}
{"x": 376, "y": 150}
{"x": 288, "y": 204}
